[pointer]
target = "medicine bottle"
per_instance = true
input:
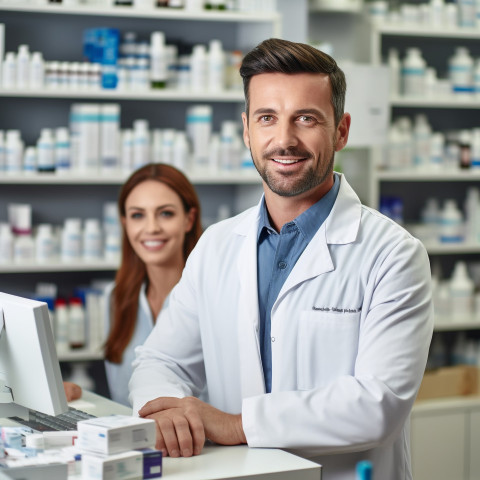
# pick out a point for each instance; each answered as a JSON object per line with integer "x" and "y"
{"x": 461, "y": 292}
{"x": 158, "y": 61}
{"x": 61, "y": 325}
{"x": 141, "y": 143}
{"x": 45, "y": 246}
{"x": 216, "y": 66}
{"x": 62, "y": 150}
{"x": 37, "y": 71}
{"x": 9, "y": 71}
{"x": 30, "y": 160}
{"x": 45, "y": 151}
{"x": 460, "y": 69}
{"x": 180, "y": 151}
{"x": 76, "y": 323}
{"x": 451, "y": 227}
{"x": 71, "y": 243}
{"x": 23, "y": 67}
{"x": 92, "y": 240}
{"x": 199, "y": 69}
{"x": 6, "y": 243}
{"x": 413, "y": 73}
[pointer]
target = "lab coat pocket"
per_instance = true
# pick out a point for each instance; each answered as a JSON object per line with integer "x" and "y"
{"x": 327, "y": 347}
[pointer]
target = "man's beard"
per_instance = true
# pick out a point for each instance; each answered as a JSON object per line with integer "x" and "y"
{"x": 282, "y": 184}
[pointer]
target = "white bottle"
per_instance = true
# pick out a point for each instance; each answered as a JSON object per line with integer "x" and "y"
{"x": 45, "y": 245}
{"x": 37, "y": 71}
{"x": 109, "y": 136}
{"x": 460, "y": 69}
{"x": 199, "y": 128}
{"x": 88, "y": 130}
{"x": 451, "y": 228}
{"x": 6, "y": 243}
{"x": 23, "y": 67}
{"x": 229, "y": 152}
{"x": 9, "y": 71}
{"x": 62, "y": 150}
{"x": 2, "y": 152}
{"x": 216, "y": 66}
{"x": 141, "y": 143}
{"x": 437, "y": 12}
{"x": 422, "y": 133}
{"x": 24, "y": 248}
{"x": 61, "y": 326}
{"x": 199, "y": 69}
{"x": 394, "y": 68}
{"x": 71, "y": 243}
{"x": 394, "y": 158}
{"x": 30, "y": 160}
{"x": 77, "y": 332}
{"x": 156, "y": 147}
{"x": 113, "y": 247}
{"x": 158, "y": 61}
{"x": 437, "y": 150}
{"x": 45, "y": 151}
{"x": 406, "y": 132}
{"x": 180, "y": 151}
{"x": 127, "y": 150}
{"x": 13, "y": 152}
{"x": 413, "y": 73}
{"x": 461, "y": 293}
{"x": 475, "y": 152}
{"x": 466, "y": 13}
{"x": 168, "y": 139}
{"x": 92, "y": 240}
{"x": 472, "y": 214}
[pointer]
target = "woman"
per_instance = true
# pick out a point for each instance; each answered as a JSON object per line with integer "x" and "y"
{"x": 160, "y": 217}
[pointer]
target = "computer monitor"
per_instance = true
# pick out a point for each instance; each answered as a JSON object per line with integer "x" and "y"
{"x": 30, "y": 376}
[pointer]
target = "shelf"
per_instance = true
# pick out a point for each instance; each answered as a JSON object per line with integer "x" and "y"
{"x": 221, "y": 178}
{"x": 451, "y": 403}
{"x": 426, "y": 175}
{"x": 450, "y": 101}
{"x": 79, "y": 355}
{"x": 153, "y": 13}
{"x": 57, "y": 266}
{"x": 147, "y": 95}
{"x": 448, "y": 325}
{"x": 341, "y": 6}
{"x": 427, "y": 31}
{"x": 452, "y": 248}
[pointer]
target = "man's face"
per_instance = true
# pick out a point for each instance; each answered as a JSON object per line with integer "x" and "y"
{"x": 291, "y": 131}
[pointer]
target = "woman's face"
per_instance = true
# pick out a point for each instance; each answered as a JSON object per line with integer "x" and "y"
{"x": 156, "y": 223}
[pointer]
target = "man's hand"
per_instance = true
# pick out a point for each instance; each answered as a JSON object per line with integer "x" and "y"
{"x": 183, "y": 424}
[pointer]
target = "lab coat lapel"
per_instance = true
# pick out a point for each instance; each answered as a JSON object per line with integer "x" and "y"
{"x": 251, "y": 372}
{"x": 340, "y": 227}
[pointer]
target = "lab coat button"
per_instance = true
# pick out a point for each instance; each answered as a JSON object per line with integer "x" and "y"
{"x": 273, "y": 339}
{"x": 282, "y": 265}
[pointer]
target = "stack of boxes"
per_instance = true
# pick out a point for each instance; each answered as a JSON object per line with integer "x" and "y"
{"x": 118, "y": 447}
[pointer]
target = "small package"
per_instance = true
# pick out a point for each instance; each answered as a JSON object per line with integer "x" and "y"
{"x": 152, "y": 463}
{"x": 115, "y": 434}
{"x": 122, "y": 466}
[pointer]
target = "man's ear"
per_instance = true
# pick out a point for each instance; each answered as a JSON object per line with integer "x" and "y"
{"x": 342, "y": 131}
{"x": 246, "y": 137}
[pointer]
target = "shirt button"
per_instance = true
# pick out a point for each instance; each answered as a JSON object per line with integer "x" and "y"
{"x": 273, "y": 339}
{"x": 282, "y": 265}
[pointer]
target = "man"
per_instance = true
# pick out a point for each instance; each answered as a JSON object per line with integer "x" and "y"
{"x": 306, "y": 319}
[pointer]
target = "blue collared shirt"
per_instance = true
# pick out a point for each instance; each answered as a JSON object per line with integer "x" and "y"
{"x": 277, "y": 254}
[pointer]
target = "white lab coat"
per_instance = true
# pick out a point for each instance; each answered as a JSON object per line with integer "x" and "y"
{"x": 350, "y": 334}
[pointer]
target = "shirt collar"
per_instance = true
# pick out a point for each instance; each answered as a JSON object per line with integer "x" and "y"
{"x": 307, "y": 222}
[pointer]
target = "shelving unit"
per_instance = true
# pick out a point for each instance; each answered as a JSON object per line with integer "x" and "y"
{"x": 82, "y": 196}
{"x": 444, "y": 438}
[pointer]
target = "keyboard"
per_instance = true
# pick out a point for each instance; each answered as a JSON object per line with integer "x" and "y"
{"x": 42, "y": 422}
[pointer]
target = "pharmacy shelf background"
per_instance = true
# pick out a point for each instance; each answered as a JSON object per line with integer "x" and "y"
{"x": 31, "y": 109}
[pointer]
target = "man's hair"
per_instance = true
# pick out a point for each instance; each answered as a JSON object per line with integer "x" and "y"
{"x": 282, "y": 56}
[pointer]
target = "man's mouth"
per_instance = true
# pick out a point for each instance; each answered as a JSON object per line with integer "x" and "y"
{"x": 287, "y": 161}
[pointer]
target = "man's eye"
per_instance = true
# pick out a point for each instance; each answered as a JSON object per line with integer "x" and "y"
{"x": 305, "y": 118}
{"x": 266, "y": 118}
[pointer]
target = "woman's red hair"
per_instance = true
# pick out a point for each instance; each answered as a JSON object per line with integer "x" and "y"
{"x": 132, "y": 272}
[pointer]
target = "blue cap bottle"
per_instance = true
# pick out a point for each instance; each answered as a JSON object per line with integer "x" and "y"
{"x": 364, "y": 470}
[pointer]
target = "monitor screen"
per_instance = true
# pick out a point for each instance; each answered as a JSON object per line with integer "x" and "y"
{"x": 29, "y": 367}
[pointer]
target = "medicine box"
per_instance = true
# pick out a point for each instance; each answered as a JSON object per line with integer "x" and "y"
{"x": 115, "y": 434}
{"x": 122, "y": 466}
{"x": 152, "y": 463}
